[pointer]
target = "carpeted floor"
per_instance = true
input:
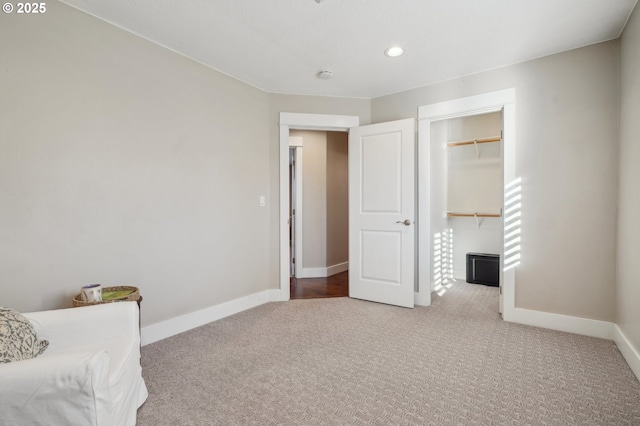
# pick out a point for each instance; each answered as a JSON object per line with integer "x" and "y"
{"x": 348, "y": 362}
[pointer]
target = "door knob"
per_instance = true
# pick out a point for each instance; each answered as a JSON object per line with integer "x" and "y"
{"x": 405, "y": 222}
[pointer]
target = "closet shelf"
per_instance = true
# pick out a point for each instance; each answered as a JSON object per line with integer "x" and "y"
{"x": 475, "y": 215}
{"x": 473, "y": 141}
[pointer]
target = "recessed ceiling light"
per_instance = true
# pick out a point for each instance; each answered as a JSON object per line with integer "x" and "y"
{"x": 394, "y": 51}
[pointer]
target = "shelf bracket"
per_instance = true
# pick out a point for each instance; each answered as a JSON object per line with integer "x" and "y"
{"x": 476, "y": 216}
{"x": 475, "y": 143}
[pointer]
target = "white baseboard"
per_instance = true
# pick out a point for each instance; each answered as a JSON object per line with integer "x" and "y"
{"x": 336, "y": 269}
{"x": 630, "y": 353}
{"x": 324, "y": 272}
{"x": 279, "y": 295}
{"x": 421, "y": 299}
{"x": 576, "y": 325}
{"x": 162, "y": 330}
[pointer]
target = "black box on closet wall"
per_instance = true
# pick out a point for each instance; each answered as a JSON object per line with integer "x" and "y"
{"x": 483, "y": 268}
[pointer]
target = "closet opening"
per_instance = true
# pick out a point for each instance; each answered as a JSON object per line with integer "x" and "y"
{"x": 466, "y": 200}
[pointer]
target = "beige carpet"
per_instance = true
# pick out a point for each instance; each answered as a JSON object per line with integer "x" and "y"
{"x": 349, "y": 362}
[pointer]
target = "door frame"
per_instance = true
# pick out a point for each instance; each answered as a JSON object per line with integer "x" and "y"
{"x": 296, "y": 144}
{"x": 502, "y": 100}
{"x": 299, "y": 121}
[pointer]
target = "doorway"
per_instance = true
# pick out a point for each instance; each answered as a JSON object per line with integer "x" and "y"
{"x": 466, "y": 200}
{"x": 288, "y": 121}
{"x": 500, "y": 101}
{"x": 370, "y": 148}
{"x": 319, "y": 216}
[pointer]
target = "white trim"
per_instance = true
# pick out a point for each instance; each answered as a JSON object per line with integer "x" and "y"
{"x": 314, "y": 273}
{"x": 569, "y": 324}
{"x": 630, "y": 353}
{"x": 296, "y": 141}
{"x": 318, "y": 121}
{"x": 277, "y": 296}
{"x": 471, "y": 105}
{"x": 508, "y": 277}
{"x": 299, "y": 228}
{"x": 424, "y": 218}
{"x": 297, "y": 225}
{"x": 325, "y": 272}
{"x": 285, "y": 274}
{"x": 171, "y": 327}
{"x": 420, "y": 300}
{"x": 289, "y": 120}
{"x": 502, "y": 100}
{"x": 337, "y": 268}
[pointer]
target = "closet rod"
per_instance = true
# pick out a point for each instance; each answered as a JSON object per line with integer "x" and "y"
{"x": 454, "y": 214}
{"x": 474, "y": 141}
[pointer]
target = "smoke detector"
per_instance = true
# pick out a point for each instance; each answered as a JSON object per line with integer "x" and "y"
{"x": 325, "y": 74}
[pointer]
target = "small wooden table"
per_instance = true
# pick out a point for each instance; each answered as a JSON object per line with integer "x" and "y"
{"x": 133, "y": 297}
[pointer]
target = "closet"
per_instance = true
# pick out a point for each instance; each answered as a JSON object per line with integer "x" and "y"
{"x": 466, "y": 198}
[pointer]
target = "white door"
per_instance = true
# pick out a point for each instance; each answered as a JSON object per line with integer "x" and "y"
{"x": 382, "y": 212}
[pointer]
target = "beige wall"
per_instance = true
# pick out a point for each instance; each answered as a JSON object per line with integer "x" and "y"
{"x": 567, "y": 127}
{"x": 125, "y": 163}
{"x": 628, "y": 291}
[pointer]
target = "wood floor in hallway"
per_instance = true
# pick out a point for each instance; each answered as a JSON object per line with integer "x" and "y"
{"x": 314, "y": 288}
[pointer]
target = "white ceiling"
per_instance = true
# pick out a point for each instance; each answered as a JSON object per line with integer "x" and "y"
{"x": 281, "y": 45}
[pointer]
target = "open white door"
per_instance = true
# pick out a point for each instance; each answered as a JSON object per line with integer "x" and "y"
{"x": 382, "y": 212}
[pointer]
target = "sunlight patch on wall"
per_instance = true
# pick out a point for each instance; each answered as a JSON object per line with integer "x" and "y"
{"x": 512, "y": 223}
{"x": 443, "y": 261}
